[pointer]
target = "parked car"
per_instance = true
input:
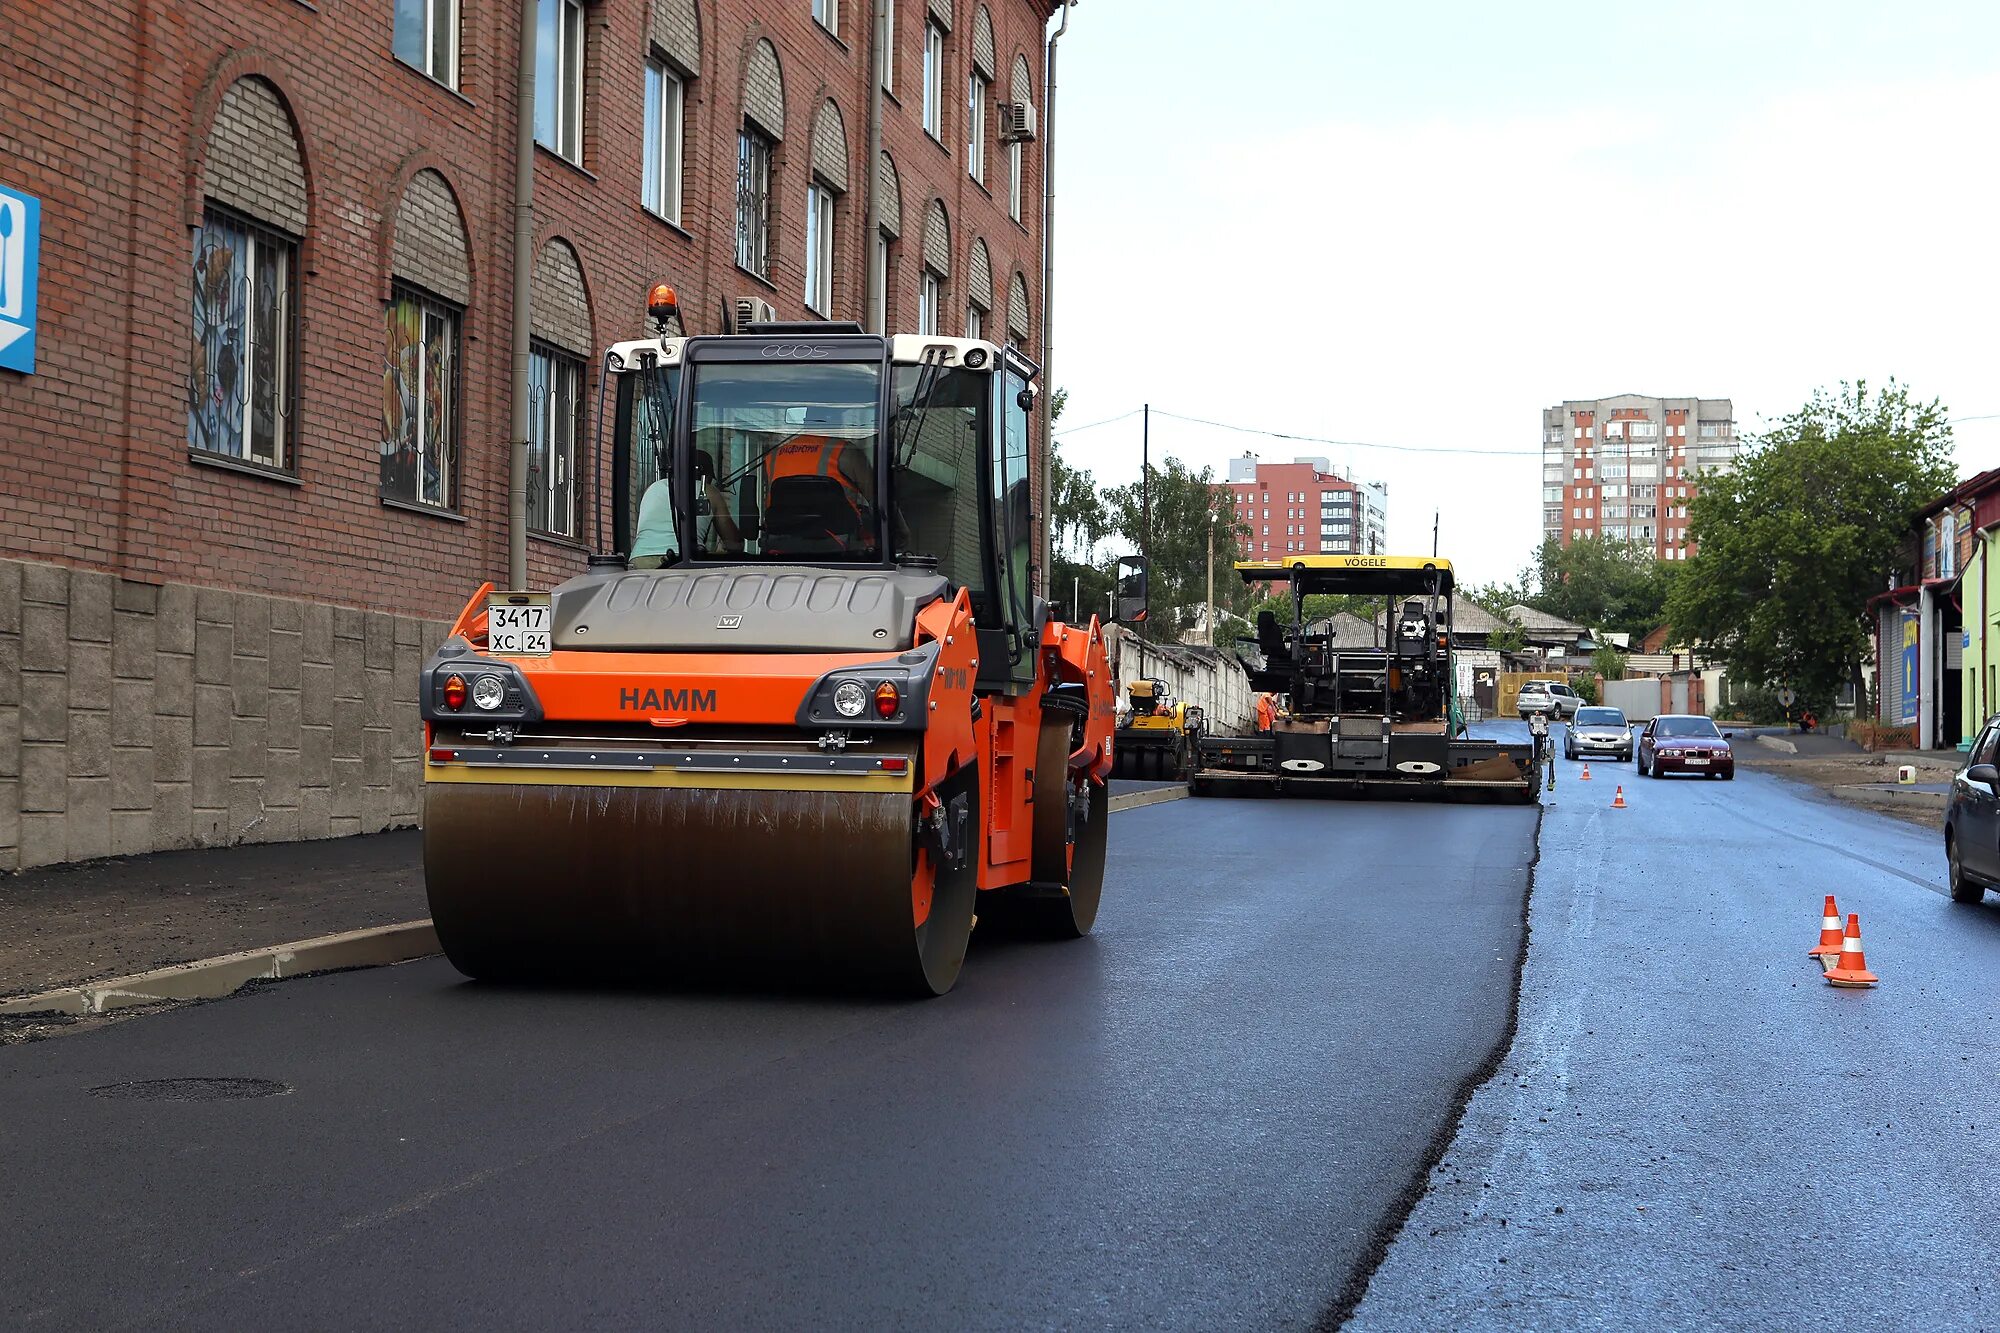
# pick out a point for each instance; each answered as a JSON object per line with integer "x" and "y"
{"x": 1972, "y": 819}
{"x": 1685, "y": 743}
{"x": 1598, "y": 730}
{"x": 1546, "y": 696}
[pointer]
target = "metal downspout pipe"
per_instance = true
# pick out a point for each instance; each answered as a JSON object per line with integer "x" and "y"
{"x": 871, "y": 235}
{"x": 524, "y": 274}
{"x": 1048, "y": 311}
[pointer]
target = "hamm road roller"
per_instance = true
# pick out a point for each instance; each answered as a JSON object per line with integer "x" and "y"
{"x": 810, "y": 721}
{"x": 1382, "y": 720}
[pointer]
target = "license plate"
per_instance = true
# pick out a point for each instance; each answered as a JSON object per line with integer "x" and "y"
{"x": 1694, "y": 762}
{"x": 519, "y": 624}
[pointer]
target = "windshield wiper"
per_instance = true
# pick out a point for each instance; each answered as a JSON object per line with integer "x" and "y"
{"x": 929, "y": 375}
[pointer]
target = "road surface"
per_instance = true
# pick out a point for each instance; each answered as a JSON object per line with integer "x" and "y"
{"x": 1693, "y": 1130}
{"x": 1201, "y": 1117}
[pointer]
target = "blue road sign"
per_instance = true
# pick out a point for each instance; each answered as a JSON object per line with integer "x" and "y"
{"x": 20, "y": 249}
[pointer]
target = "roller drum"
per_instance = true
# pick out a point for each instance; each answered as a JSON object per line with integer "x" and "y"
{"x": 663, "y": 885}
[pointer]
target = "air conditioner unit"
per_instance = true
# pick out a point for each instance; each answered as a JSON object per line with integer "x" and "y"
{"x": 751, "y": 310}
{"x": 1017, "y": 122}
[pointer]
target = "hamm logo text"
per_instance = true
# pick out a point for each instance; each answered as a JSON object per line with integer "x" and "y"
{"x": 667, "y": 701}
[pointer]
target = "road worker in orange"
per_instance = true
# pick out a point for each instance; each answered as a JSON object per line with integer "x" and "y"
{"x": 1267, "y": 714}
{"x": 819, "y": 497}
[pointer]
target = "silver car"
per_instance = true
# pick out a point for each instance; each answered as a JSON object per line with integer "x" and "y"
{"x": 1598, "y": 730}
{"x": 1546, "y": 696}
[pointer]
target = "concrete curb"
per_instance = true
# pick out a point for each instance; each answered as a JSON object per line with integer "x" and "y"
{"x": 211, "y": 978}
{"x": 1863, "y": 793}
{"x": 1133, "y": 800}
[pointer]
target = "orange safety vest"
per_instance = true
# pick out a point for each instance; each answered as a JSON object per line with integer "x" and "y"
{"x": 811, "y": 456}
{"x": 1267, "y": 713}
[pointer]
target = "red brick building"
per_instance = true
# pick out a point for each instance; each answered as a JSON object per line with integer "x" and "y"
{"x": 1625, "y": 468}
{"x": 1305, "y": 506}
{"x": 265, "y": 448}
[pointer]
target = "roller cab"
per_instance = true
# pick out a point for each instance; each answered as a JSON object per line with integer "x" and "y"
{"x": 806, "y": 721}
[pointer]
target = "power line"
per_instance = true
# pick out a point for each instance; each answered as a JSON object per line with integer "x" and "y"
{"x": 1073, "y": 430}
{"x": 1354, "y": 444}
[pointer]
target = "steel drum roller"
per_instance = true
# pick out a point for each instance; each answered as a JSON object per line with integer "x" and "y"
{"x": 662, "y": 884}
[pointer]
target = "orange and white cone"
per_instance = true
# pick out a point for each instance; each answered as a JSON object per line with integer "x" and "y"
{"x": 1618, "y": 801}
{"x": 1586, "y": 773}
{"x": 1852, "y": 969}
{"x": 1829, "y": 933}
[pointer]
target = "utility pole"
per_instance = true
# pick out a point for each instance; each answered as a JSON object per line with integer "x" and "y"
{"x": 1146, "y": 485}
{"x": 1211, "y": 571}
{"x": 1435, "y": 514}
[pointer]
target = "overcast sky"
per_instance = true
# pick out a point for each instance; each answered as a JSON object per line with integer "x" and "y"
{"x": 1419, "y": 225}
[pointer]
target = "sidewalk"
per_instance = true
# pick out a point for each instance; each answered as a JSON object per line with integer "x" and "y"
{"x": 68, "y": 924}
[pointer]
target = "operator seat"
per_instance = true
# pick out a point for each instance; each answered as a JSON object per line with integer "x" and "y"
{"x": 811, "y": 515}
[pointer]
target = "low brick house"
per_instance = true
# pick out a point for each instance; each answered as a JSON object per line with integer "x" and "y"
{"x": 263, "y": 454}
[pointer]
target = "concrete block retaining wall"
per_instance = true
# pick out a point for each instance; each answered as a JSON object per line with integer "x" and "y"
{"x": 137, "y": 717}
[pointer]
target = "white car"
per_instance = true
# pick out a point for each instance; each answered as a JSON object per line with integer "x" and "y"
{"x": 1547, "y": 696}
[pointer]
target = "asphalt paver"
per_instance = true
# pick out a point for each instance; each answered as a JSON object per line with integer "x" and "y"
{"x": 1692, "y": 1129}
{"x": 1206, "y": 1115}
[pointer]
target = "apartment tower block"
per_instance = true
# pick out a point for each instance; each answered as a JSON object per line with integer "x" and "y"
{"x": 1625, "y": 468}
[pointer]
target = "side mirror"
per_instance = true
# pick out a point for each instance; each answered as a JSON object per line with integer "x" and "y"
{"x": 1985, "y": 773}
{"x": 1132, "y": 590}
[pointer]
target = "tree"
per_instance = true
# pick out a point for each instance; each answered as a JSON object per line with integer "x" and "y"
{"x": 1079, "y": 522}
{"x": 1794, "y": 541}
{"x": 1183, "y": 504}
{"x": 1608, "y": 662}
{"x": 1615, "y": 585}
{"x": 1319, "y": 606}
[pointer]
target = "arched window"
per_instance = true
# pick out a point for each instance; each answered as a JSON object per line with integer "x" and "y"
{"x": 674, "y": 60}
{"x": 763, "y": 128}
{"x": 829, "y": 182}
{"x": 561, "y": 349}
{"x": 978, "y": 290}
{"x": 241, "y": 373}
{"x": 888, "y": 228}
{"x": 431, "y": 286}
{"x": 937, "y": 269}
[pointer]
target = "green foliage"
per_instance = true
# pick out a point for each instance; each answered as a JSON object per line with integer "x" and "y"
{"x": 1508, "y": 640}
{"x": 1319, "y": 606}
{"x": 1586, "y": 688}
{"x": 1184, "y": 503}
{"x": 1795, "y": 539}
{"x": 1608, "y": 662}
{"x": 1610, "y": 584}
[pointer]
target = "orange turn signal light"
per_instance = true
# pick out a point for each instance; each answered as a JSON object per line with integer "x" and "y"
{"x": 454, "y": 692}
{"x": 887, "y": 699}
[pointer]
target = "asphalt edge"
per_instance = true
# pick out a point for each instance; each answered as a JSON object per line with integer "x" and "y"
{"x": 1355, "y": 1289}
{"x": 376, "y": 946}
{"x": 213, "y": 978}
{"x": 1133, "y": 800}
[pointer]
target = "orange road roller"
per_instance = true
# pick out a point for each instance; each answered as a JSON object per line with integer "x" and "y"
{"x": 810, "y": 722}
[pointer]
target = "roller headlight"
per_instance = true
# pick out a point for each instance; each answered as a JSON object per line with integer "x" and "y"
{"x": 489, "y": 692}
{"x": 850, "y": 698}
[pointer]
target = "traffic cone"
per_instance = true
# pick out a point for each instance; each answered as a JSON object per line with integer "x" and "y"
{"x": 1586, "y": 773}
{"x": 1852, "y": 969}
{"x": 1618, "y": 801}
{"x": 1829, "y": 933}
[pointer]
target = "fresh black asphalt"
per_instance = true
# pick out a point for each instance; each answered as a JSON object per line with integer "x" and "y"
{"x": 1197, "y": 1118}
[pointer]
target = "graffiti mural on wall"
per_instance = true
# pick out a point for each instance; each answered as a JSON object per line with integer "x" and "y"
{"x": 238, "y": 369}
{"x": 419, "y": 401}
